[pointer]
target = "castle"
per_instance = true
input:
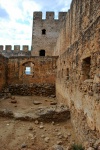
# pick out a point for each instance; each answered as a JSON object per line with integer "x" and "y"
{"x": 64, "y": 59}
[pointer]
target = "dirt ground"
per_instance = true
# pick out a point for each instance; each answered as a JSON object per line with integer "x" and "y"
{"x": 28, "y": 135}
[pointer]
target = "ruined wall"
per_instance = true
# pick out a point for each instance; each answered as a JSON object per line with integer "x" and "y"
{"x": 79, "y": 18}
{"x": 8, "y": 52}
{"x": 78, "y": 67}
{"x": 51, "y": 26}
{"x": 41, "y": 77}
{"x": 3, "y": 72}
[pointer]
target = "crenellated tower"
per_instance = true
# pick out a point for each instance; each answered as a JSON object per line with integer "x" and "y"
{"x": 45, "y": 32}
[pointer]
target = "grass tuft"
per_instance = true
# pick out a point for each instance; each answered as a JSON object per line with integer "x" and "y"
{"x": 77, "y": 147}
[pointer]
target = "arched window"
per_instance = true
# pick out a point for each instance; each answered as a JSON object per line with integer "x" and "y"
{"x": 43, "y": 31}
{"x": 42, "y": 53}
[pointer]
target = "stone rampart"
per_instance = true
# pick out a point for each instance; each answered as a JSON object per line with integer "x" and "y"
{"x": 8, "y": 52}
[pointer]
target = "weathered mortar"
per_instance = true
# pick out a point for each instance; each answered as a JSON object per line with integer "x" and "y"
{"x": 32, "y": 89}
{"x": 3, "y": 71}
{"x": 41, "y": 80}
{"x": 8, "y": 52}
{"x": 78, "y": 66}
{"x": 51, "y": 26}
{"x": 43, "y": 70}
{"x": 75, "y": 38}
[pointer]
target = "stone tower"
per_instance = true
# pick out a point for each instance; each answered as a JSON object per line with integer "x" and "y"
{"x": 45, "y": 33}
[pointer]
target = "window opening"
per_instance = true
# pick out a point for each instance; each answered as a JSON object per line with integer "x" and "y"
{"x": 86, "y": 67}
{"x": 43, "y": 31}
{"x": 28, "y": 70}
{"x": 42, "y": 53}
{"x": 62, "y": 72}
{"x": 67, "y": 74}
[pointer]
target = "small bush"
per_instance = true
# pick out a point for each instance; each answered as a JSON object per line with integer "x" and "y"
{"x": 77, "y": 147}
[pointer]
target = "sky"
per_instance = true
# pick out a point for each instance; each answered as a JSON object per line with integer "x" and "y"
{"x": 16, "y": 18}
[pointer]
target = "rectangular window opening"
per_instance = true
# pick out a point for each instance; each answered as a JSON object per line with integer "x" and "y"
{"x": 86, "y": 67}
{"x": 62, "y": 73}
{"x": 67, "y": 74}
{"x": 28, "y": 70}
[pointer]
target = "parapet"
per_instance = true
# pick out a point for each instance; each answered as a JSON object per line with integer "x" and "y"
{"x": 62, "y": 15}
{"x": 37, "y": 15}
{"x": 16, "y": 48}
{"x": 25, "y": 48}
{"x": 49, "y": 15}
{"x": 1, "y": 48}
{"x": 8, "y": 48}
{"x": 16, "y": 51}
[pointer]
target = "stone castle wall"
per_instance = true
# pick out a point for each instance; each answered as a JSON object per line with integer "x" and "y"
{"x": 3, "y": 71}
{"x": 51, "y": 26}
{"x": 40, "y": 81}
{"x": 78, "y": 66}
{"x": 79, "y": 18}
{"x": 8, "y": 52}
{"x": 75, "y": 38}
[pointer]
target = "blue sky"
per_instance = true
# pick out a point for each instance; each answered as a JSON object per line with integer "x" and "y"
{"x": 16, "y": 18}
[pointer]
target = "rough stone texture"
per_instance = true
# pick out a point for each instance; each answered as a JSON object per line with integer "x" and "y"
{"x": 8, "y": 52}
{"x": 75, "y": 60}
{"x": 52, "y": 26}
{"x": 3, "y": 71}
{"x": 32, "y": 89}
{"x": 80, "y": 21}
{"x": 42, "y": 70}
{"x": 78, "y": 67}
{"x": 41, "y": 80}
{"x": 56, "y": 114}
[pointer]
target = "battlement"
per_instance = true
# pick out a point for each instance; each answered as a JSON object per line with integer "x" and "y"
{"x": 8, "y": 51}
{"x": 49, "y": 15}
{"x": 8, "y": 48}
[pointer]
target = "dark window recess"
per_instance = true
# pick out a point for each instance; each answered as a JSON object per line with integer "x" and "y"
{"x": 86, "y": 67}
{"x": 42, "y": 53}
{"x": 43, "y": 31}
{"x": 67, "y": 73}
{"x": 62, "y": 73}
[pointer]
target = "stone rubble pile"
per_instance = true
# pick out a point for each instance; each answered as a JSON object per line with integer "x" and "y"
{"x": 5, "y": 93}
{"x": 49, "y": 114}
{"x": 32, "y": 89}
{"x": 56, "y": 113}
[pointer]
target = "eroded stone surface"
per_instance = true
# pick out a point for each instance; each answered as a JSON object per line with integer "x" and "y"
{"x": 46, "y": 115}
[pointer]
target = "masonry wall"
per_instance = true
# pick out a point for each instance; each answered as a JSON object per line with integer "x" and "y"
{"x": 41, "y": 80}
{"x": 3, "y": 72}
{"x": 8, "y": 52}
{"x": 78, "y": 67}
{"x": 51, "y": 26}
{"x": 79, "y": 18}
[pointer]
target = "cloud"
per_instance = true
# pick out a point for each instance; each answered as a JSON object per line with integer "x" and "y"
{"x": 16, "y": 18}
{"x": 64, "y": 4}
{"x": 18, "y": 29}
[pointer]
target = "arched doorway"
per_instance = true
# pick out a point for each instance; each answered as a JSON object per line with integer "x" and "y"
{"x": 42, "y": 53}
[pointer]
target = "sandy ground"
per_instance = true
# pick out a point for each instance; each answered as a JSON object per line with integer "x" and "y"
{"x": 16, "y": 134}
